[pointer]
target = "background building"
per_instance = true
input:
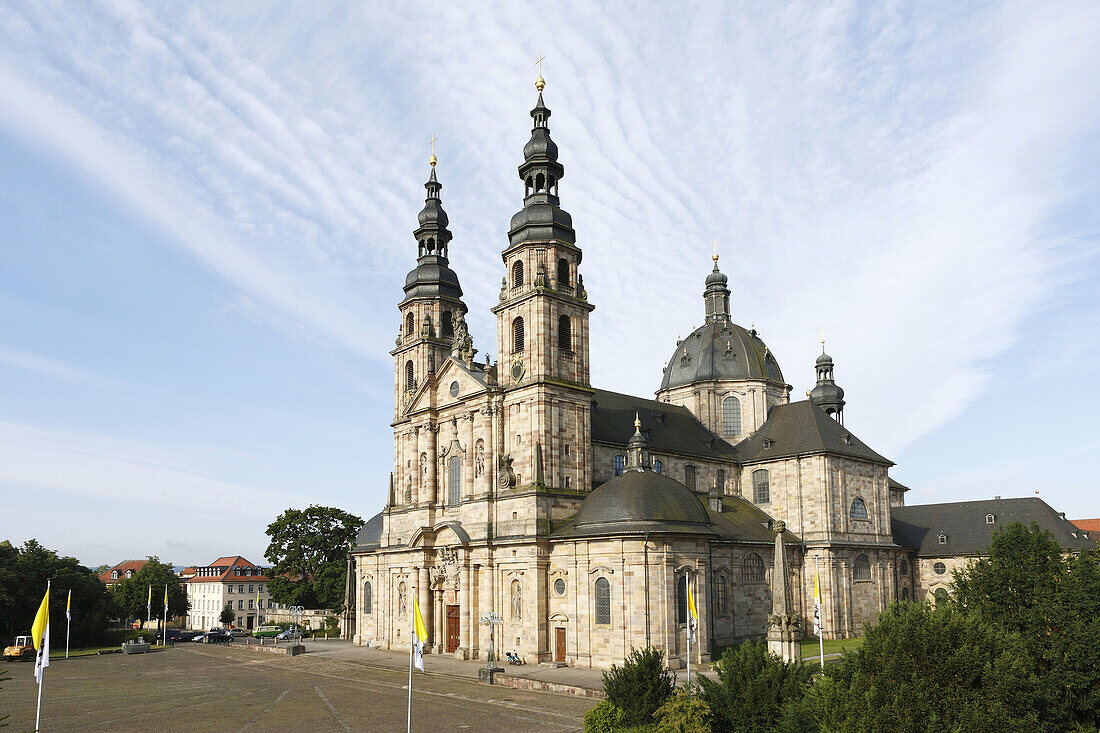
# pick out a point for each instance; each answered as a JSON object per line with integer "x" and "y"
{"x": 232, "y": 581}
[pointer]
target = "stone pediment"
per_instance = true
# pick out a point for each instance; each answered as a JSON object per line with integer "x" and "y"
{"x": 436, "y": 392}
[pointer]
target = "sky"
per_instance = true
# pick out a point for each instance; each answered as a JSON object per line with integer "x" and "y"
{"x": 206, "y": 215}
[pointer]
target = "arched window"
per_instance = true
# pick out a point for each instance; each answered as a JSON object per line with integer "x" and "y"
{"x": 731, "y": 417}
{"x": 517, "y": 601}
{"x": 861, "y": 568}
{"x": 565, "y": 334}
{"x": 447, "y": 326}
{"x": 368, "y": 600}
{"x": 517, "y": 274}
{"x": 454, "y": 480}
{"x": 603, "y": 601}
{"x": 905, "y": 594}
{"x": 410, "y": 377}
{"x": 563, "y": 271}
{"x": 990, "y": 519}
{"x": 752, "y": 568}
{"x": 517, "y": 334}
{"x": 618, "y": 463}
{"x": 658, "y": 466}
{"x": 721, "y": 601}
{"x": 761, "y": 489}
{"x": 689, "y": 476}
{"x": 410, "y": 324}
{"x": 721, "y": 482}
{"x": 681, "y": 599}
{"x": 903, "y": 567}
{"x": 858, "y": 509}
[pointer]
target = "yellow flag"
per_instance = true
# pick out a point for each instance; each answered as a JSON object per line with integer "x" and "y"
{"x": 149, "y": 602}
{"x": 166, "y": 596}
{"x": 693, "y": 615}
{"x": 420, "y": 635}
{"x": 41, "y": 620}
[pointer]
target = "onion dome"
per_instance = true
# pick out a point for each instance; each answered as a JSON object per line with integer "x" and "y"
{"x": 541, "y": 219}
{"x": 432, "y": 276}
{"x": 827, "y": 394}
{"x": 720, "y": 349}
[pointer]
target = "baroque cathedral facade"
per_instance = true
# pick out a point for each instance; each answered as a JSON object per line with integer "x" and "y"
{"x": 580, "y": 516}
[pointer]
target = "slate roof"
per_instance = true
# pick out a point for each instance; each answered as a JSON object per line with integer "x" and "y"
{"x": 370, "y": 535}
{"x": 668, "y": 428}
{"x": 964, "y": 523}
{"x": 720, "y": 349}
{"x": 896, "y": 484}
{"x": 802, "y": 427}
{"x": 640, "y": 502}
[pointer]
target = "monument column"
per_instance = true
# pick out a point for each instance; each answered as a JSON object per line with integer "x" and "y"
{"x": 783, "y": 623}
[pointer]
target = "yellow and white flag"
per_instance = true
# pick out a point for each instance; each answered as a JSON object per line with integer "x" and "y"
{"x": 817, "y": 605}
{"x": 69, "y": 606}
{"x": 420, "y": 635}
{"x": 40, "y": 632}
{"x": 693, "y": 615}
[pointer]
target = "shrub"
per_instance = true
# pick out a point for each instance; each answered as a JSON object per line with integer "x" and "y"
{"x": 640, "y": 686}
{"x": 604, "y": 718}
{"x": 683, "y": 713}
{"x": 753, "y": 688}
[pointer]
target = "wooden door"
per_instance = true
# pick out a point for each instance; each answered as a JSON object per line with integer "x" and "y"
{"x": 452, "y": 628}
{"x": 559, "y": 645}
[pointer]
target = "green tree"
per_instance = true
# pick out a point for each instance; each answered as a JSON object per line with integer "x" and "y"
{"x": 227, "y": 616}
{"x": 923, "y": 669}
{"x": 753, "y": 688}
{"x": 309, "y": 555}
{"x": 24, "y": 572}
{"x": 132, "y": 594}
{"x": 641, "y": 685}
{"x": 1029, "y": 588}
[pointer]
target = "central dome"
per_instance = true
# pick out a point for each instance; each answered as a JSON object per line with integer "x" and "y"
{"x": 639, "y": 501}
{"x": 720, "y": 350}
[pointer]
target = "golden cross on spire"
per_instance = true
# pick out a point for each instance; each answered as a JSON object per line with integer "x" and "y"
{"x": 715, "y": 255}
{"x": 637, "y": 423}
{"x": 432, "y": 160}
{"x": 822, "y": 339}
{"x": 540, "y": 83}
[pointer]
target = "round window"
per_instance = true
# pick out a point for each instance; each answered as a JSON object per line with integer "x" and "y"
{"x": 559, "y": 587}
{"x": 939, "y": 568}
{"x": 454, "y": 389}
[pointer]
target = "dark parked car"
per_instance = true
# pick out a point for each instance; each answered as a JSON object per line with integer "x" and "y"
{"x": 186, "y": 635}
{"x": 217, "y": 637}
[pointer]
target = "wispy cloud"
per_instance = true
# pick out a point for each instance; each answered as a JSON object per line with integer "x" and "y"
{"x": 39, "y": 364}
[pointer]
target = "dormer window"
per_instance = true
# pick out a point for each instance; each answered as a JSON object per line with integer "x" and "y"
{"x": 768, "y": 443}
{"x": 129, "y": 573}
{"x": 943, "y": 539}
{"x": 114, "y": 575}
{"x": 990, "y": 519}
{"x": 236, "y": 571}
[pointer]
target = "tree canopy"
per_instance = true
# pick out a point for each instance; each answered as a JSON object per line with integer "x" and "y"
{"x": 308, "y": 550}
{"x": 132, "y": 594}
{"x": 23, "y": 575}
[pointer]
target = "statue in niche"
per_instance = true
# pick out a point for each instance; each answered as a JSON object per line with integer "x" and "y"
{"x": 462, "y": 344}
{"x": 517, "y": 601}
{"x": 402, "y": 600}
{"x": 479, "y": 460}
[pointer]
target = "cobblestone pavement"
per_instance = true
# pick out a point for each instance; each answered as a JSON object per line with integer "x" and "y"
{"x": 196, "y": 688}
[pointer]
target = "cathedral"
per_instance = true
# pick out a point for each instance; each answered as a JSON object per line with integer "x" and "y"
{"x": 569, "y": 522}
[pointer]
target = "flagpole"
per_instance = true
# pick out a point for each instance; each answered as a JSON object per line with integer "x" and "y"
{"x": 412, "y": 650}
{"x": 42, "y": 669}
{"x": 820, "y": 624}
{"x": 149, "y": 608}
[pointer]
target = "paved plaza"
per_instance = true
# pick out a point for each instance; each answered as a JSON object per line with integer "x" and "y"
{"x": 198, "y": 688}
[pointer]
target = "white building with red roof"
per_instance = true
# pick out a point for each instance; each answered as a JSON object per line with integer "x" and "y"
{"x": 228, "y": 581}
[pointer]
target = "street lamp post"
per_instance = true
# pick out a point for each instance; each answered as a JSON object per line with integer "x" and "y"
{"x": 296, "y": 614}
{"x": 491, "y": 619}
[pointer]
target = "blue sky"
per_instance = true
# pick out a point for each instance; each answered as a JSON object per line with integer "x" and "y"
{"x": 207, "y": 214}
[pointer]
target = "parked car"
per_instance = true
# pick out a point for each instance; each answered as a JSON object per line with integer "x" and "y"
{"x": 21, "y": 649}
{"x": 267, "y": 631}
{"x": 217, "y": 637}
{"x": 236, "y": 632}
{"x": 289, "y": 635}
{"x": 187, "y": 635}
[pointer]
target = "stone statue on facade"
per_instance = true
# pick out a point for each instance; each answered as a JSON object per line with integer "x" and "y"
{"x": 506, "y": 477}
{"x": 517, "y": 602}
{"x": 402, "y": 600}
{"x": 462, "y": 346}
{"x": 784, "y": 626}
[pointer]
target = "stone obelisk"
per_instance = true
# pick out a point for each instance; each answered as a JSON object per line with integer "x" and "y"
{"x": 784, "y": 626}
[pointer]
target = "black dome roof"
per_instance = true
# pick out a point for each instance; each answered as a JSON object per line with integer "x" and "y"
{"x": 639, "y": 501}
{"x": 720, "y": 349}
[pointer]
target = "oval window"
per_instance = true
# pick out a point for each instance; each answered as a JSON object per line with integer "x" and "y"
{"x": 559, "y": 587}
{"x": 454, "y": 389}
{"x": 939, "y": 568}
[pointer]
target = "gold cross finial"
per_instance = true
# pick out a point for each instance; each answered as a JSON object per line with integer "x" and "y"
{"x": 715, "y": 255}
{"x": 822, "y": 339}
{"x": 540, "y": 83}
{"x": 637, "y": 423}
{"x": 432, "y": 159}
